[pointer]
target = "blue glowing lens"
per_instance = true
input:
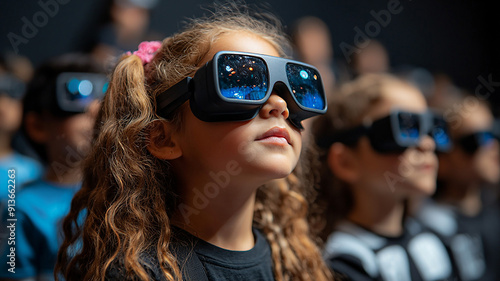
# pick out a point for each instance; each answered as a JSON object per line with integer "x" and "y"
{"x": 409, "y": 126}
{"x": 242, "y": 77}
{"x": 306, "y": 86}
{"x": 85, "y": 88}
{"x": 79, "y": 90}
{"x": 72, "y": 85}
{"x": 441, "y": 135}
{"x": 105, "y": 87}
{"x": 484, "y": 138}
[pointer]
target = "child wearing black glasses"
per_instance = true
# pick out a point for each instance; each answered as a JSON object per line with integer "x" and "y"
{"x": 59, "y": 110}
{"x": 192, "y": 133}
{"x": 378, "y": 153}
{"x": 461, "y": 212}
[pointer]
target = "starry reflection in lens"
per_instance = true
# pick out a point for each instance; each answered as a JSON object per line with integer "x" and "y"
{"x": 243, "y": 77}
{"x": 305, "y": 84}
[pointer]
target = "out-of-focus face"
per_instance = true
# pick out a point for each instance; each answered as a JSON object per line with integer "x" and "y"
{"x": 466, "y": 168}
{"x": 403, "y": 175}
{"x": 131, "y": 18}
{"x": 314, "y": 44}
{"x": 372, "y": 59}
{"x": 10, "y": 114}
{"x": 67, "y": 140}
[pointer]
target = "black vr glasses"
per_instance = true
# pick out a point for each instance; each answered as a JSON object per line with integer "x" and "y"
{"x": 76, "y": 90}
{"x": 396, "y": 132}
{"x": 11, "y": 86}
{"x": 233, "y": 86}
{"x": 470, "y": 143}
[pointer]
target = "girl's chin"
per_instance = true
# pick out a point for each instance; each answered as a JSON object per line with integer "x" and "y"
{"x": 425, "y": 190}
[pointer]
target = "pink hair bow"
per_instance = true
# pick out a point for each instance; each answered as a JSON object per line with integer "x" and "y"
{"x": 146, "y": 51}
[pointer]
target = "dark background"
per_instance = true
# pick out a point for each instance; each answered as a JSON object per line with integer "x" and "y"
{"x": 459, "y": 38}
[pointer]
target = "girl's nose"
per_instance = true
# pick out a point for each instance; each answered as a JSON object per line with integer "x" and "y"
{"x": 274, "y": 107}
{"x": 427, "y": 144}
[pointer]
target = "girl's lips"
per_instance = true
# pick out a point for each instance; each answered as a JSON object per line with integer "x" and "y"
{"x": 427, "y": 167}
{"x": 276, "y": 135}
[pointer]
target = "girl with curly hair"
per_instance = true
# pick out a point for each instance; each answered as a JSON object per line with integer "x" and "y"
{"x": 194, "y": 172}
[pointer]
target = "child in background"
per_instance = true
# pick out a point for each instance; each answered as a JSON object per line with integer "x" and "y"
{"x": 60, "y": 132}
{"x": 15, "y": 71}
{"x": 182, "y": 166}
{"x": 125, "y": 24}
{"x": 377, "y": 155}
{"x": 372, "y": 58}
{"x": 24, "y": 169}
{"x": 466, "y": 219}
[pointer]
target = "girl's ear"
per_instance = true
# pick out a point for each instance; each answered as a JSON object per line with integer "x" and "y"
{"x": 343, "y": 163}
{"x": 36, "y": 127}
{"x": 163, "y": 141}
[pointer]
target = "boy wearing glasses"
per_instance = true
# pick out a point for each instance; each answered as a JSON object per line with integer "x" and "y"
{"x": 460, "y": 212}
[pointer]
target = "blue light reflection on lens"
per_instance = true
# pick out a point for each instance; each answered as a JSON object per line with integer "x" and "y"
{"x": 440, "y": 137}
{"x": 105, "y": 87}
{"x": 72, "y": 85}
{"x": 439, "y": 132}
{"x": 85, "y": 88}
{"x": 306, "y": 87}
{"x": 485, "y": 138}
{"x": 242, "y": 77}
{"x": 409, "y": 126}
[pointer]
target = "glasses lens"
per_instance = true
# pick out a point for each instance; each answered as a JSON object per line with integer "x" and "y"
{"x": 484, "y": 138}
{"x": 441, "y": 135}
{"x": 409, "y": 126}
{"x": 306, "y": 86}
{"x": 472, "y": 142}
{"x": 242, "y": 77}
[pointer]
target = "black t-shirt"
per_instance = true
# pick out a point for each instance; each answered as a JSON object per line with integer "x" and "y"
{"x": 218, "y": 264}
{"x": 474, "y": 241}
{"x": 360, "y": 255}
{"x": 221, "y": 264}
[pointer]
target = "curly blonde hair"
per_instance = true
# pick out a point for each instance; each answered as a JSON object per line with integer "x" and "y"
{"x": 124, "y": 207}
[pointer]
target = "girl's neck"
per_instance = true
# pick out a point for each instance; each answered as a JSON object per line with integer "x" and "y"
{"x": 224, "y": 219}
{"x": 466, "y": 198}
{"x": 381, "y": 214}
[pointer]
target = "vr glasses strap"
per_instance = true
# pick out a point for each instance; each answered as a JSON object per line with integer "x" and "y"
{"x": 173, "y": 97}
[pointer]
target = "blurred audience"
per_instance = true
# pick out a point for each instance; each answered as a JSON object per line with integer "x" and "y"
{"x": 58, "y": 118}
{"x": 419, "y": 77}
{"x": 14, "y": 72}
{"x": 126, "y": 25}
{"x": 467, "y": 221}
{"x": 372, "y": 58}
